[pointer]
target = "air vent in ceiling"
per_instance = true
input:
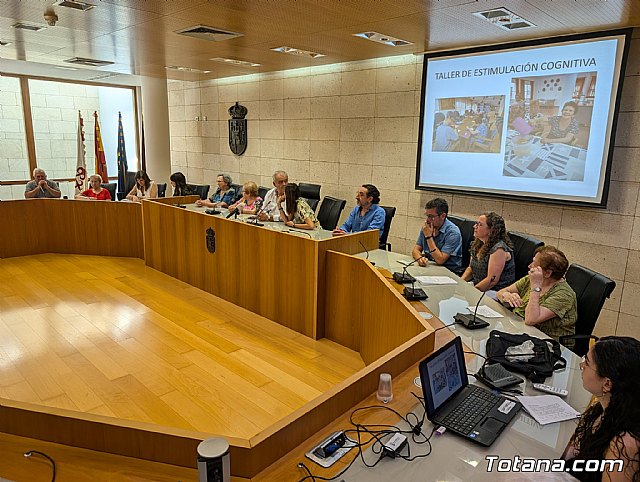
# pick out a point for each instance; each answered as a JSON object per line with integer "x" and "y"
{"x": 504, "y": 18}
{"x": 191, "y": 70}
{"x": 28, "y": 26}
{"x": 4, "y": 44}
{"x": 383, "y": 39}
{"x": 299, "y": 52}
{"x": 208, "y": 33}
{"x": 76, "y": 5}
{"x": 89, "y": 62}
{"x": 242, "y": 63}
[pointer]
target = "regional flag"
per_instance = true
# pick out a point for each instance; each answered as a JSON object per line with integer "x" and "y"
{"x": 122, "y": 158}
{"x": 81, "y": 165}
{"x": 101, "y": 161}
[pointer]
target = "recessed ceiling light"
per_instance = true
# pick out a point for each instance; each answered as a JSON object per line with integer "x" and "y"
{"x": 181, "y": 68}
{"x": 242, "y": 63}
{"x": 4, "y": 44}
{"x": 75, "y": 4}
{"x": 504, "y": 18}
{"x": 299, "y": 52}
{"x": 383, "y": 39}
{"x": 28, "y": 26}
{"x": 64, "y": 68}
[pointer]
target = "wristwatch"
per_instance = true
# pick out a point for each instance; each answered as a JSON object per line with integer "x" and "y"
{"x": 537, "y": 289}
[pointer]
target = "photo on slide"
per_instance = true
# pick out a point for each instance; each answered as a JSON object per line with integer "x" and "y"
{"x": 549, "y": 126}
{"x": 439, "y": 381}
{"x": 469, "y": 124}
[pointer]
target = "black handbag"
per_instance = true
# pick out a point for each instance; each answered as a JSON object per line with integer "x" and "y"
{"x": 541, "y": 362}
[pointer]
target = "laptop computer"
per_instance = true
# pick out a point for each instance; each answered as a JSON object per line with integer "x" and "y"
{"x": 467, "y": 410}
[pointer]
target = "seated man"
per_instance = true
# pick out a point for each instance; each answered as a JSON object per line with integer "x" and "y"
{"x": 41, "y": 186}
{"x": 446, "y": 135}
{"x": 439, "y": 239}
{"x": 543, "y": 298}
{"x": 270, "y": 210}
{"x": 366, "y": 215}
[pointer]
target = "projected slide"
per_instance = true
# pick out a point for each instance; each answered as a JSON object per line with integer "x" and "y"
{"x": 534, "y": 122}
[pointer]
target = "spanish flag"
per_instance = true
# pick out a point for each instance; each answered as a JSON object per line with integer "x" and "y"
{"x": 101, "y": 161}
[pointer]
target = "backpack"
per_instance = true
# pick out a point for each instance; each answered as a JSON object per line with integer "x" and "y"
{"x": 546, "y": 354}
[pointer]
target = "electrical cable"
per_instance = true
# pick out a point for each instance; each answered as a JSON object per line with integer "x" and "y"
{"x": 50, "y": 459}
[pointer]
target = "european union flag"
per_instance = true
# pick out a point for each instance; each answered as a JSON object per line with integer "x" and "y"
{"x": 122, "y": 160}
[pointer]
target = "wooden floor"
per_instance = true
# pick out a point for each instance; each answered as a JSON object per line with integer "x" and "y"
{"x": 109, "y": 336}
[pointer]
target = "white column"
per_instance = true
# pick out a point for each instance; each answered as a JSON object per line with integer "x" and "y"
{"x": 155, "y": 111}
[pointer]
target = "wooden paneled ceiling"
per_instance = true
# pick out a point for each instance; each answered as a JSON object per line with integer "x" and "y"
{"x": 139, "y": 37}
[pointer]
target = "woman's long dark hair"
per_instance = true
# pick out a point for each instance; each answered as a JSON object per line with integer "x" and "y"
{"x": 497, "y": 232}
{"x": 143, "y": 175}
{"x": 181, "y": 184}
{"x": 291, "y": 193}
{"x": 616, "y": 358}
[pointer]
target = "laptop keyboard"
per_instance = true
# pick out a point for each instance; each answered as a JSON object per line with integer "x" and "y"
{"x": 472, "y": 409}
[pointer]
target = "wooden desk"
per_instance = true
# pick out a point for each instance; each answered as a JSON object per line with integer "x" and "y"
{"x": 35, "y": 226}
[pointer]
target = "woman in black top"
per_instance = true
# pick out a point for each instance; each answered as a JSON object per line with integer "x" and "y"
{"x": 179, "y": 183}
{"x": 492, "y": 266}
{"x": 610, "y": 427}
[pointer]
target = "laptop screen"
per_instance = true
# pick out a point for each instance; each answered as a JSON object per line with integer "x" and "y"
{"x": 443, "y": 375}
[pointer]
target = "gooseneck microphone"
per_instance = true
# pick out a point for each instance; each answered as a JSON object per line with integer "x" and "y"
{"x": 469, "y": 321}
{"x": 405, "y": 277}
{"x": 254, "y": 219}
{"x": 366, "y": 251}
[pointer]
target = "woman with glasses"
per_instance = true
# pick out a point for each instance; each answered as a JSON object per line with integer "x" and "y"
{"x": 247, "y": 203}
{"x": 223, "y": 197}
{"x": 492, "y": 266}
{"x": 96, "y": 191}
{"x": 610, "y": 428}
{"x": 543, "y": 298}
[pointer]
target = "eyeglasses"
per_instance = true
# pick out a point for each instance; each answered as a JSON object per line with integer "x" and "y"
{"x": 585, "y": 363}
{"x": 361, "y": 194}
{"x": 433, "y": 216}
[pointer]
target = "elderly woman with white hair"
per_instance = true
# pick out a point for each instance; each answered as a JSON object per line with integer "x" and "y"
{"x": 41, "y": 187}
{"x": 96, "y": 192}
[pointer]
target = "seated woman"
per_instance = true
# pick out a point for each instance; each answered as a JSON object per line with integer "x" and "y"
{"x": 95, "y": 192}
{"x": 179, "y": 183}
{"x": 543, "y": 298}
{"x": 492, "y": 266}
{"x": 223, "y": 197}
{"x": 300, "y": 215}
{"x": 563, "y": 128}
{"x": 610, "y": 428}
{"x": 145, "y": 188}
{"x": 247, "y": 203}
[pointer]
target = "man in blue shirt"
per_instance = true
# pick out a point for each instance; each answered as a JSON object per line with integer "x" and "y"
{"x": 439, "y": 239}
{"x": 366, "y": 215}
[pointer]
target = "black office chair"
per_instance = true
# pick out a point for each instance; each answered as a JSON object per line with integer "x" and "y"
{"x": 466, "y": 231}
{"x": 389, "y": 213}
{"x": 524, "y": 248}
{"x": 200, "y": 190}
{"x": 329, "y": 212}
{"x": 262, "y": 191}
{"x": 112, "y": 187}
{"x": 129, "y": 182}
{"x": 162, "y": 189}
{"x": 310, "y": 193}
{"x": 592, "y": 289}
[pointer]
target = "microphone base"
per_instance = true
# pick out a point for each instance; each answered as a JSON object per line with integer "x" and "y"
{"x": 469, "y": 321}
{"x": 254, "y": 223}
{"x": 213, "y": 212}
{"x": 414, "y": 294}
{"x": 402, "y": 278}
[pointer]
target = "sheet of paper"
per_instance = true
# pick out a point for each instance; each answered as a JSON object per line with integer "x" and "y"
{"x": 435, "y": 280}
{"x": 485, "y": 311}
{"x": 547, "y": 409}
